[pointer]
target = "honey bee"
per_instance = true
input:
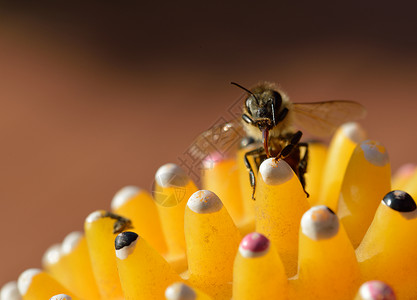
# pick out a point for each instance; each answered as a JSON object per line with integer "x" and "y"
{"x": 269, "y": 119}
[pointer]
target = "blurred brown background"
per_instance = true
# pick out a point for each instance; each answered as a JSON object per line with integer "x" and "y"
{"x": 94, "y": 98}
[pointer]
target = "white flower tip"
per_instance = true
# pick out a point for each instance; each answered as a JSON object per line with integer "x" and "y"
{"x": 94, "y": 216}
{"x": 10, "y": 291}
{"x": 25, "y": 280}
{"x": 171, "y": 175}
{"x": 354, "y": 132}
{"x": 71, "y": 241}
{"x": 204, "y": 202}
{"x": 180, "y": 291}
{"x": 374, "y": 153}
{"x": 61, "y": 297}
{"x": 275, "y": 172}
{"x": 124, "y": 195}
{"x": 319, "y": 223}
{"x": 52, "y": 255}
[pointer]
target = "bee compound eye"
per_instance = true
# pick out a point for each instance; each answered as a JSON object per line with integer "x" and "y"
{"x": 277, "y": 98}
{"x": 277, "y": 101}
{"x": 251, "y": 105}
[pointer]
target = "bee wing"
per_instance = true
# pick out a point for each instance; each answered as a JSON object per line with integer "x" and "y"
{"x": 220, "y": 141}
{"x": 322, "y": 118}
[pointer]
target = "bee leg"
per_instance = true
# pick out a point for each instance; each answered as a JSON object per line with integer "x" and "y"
{"x": 302, "y": 167}
{"x": 249, "y": 167}
{"x": 295, "y": 139}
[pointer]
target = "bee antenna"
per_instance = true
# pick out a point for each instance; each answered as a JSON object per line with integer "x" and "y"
{"x": 245, "y": 89}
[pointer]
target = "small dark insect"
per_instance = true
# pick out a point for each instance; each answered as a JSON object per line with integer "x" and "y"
{"x": 269, "y": 119}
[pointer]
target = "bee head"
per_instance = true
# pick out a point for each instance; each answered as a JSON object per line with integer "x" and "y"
{"x": 262, "y": 107}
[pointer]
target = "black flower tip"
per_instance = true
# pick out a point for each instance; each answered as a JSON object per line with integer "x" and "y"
{"x": 400, "y": 201}
{"x": 125, "y": 239}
